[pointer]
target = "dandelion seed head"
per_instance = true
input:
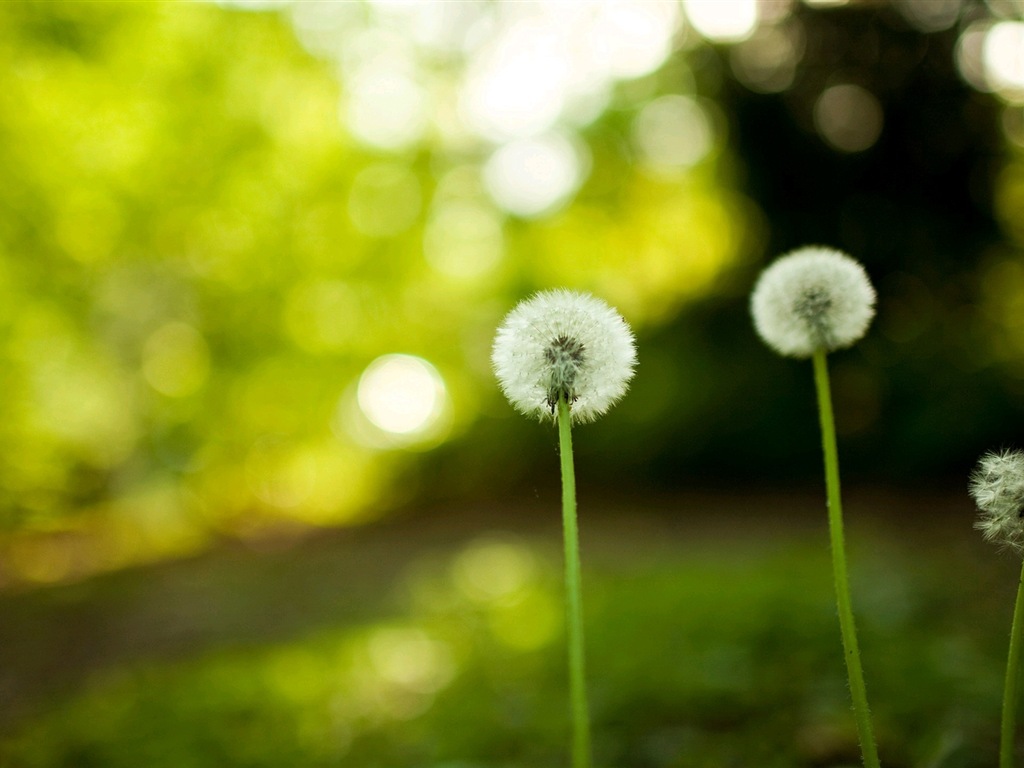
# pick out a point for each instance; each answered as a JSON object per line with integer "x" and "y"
{"x": 812, "y": 298}
{"x": 997, "y": 485}
{"x": 567, "y": 344}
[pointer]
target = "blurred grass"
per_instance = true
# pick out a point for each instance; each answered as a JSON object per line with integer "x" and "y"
{"x": 712, "y": 640}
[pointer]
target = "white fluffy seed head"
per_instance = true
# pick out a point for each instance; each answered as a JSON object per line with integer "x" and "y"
{"x": 812, "y": 298}
{"x": 563, "y": 343}
{"x": 997, "y": 486}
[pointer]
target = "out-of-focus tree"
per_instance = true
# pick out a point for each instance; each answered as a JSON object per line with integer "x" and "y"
{"x": 252, "y": 262}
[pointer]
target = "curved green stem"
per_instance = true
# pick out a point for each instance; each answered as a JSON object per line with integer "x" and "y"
{"x": 574, "y": 607}
{"x": 1012, "y": 678}
{"x": 858, "y": 692}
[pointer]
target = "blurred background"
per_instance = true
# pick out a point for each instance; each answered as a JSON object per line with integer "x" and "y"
{"x": 252, "y": 256}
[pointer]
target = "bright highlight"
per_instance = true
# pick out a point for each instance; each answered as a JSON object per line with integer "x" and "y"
{"x": 402, "y": 395}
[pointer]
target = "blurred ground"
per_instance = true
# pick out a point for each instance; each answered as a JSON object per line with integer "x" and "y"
{"x": 57, "y": 642}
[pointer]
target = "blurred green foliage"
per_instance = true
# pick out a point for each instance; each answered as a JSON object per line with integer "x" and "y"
{"x": 198, "y": 263}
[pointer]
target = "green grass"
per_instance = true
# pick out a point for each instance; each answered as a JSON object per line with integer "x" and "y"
{"x": 719, "y": 656}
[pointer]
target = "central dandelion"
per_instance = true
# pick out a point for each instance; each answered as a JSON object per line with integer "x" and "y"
{"x": 563, "y": 344}
{"x": 565, "y": 356}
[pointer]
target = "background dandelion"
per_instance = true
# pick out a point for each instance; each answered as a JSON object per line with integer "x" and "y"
{"x": 813, "y": 298}
{"x": 807, "y": 304}
{"x": 997, "y": 486}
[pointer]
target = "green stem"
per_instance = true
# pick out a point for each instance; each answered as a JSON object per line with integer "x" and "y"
{"x": 854, "y": 671}
{"x": 1012, "y": 678}
{"x": 574, "y": 609}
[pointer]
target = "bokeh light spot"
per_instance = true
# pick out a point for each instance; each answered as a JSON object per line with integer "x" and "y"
{"x": 402, "y": 395}
{"x": 548, "y": 62}
{"x": 634, "y": 38}
{"x": 848, "y": 117}
{"x": 516, "y": 87}
{"x": 532, "y": 177}
{"x": 970, "y": 48}
{"x": 386, "y": 109}
{"x": 410, "y": 658}
{"x": 766, "y": 61}
{"x": 1003, "y": 56}
{"x": 930, "y": 15}
{"x": 722, "y": 22}
{"x": 494, "y": 571}
{"x": 320, "y": 27}
{"x": 672, "y": 133}
{"x": 464, "y": 239}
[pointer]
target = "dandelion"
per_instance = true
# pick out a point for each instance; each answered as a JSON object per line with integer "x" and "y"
{"x": 806, "y": 304}
{"x": 566, "y": 357}
{"x": 814, "y": 298}
{"x": 997, "y": 486}
{"x": 562, "y": 344}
